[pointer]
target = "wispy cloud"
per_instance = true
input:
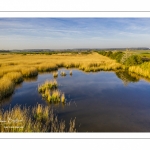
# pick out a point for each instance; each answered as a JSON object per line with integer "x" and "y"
{"x": 74, "y": 32}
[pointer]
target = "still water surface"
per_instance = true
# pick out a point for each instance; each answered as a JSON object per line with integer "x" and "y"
{"x": 101, "y": 102}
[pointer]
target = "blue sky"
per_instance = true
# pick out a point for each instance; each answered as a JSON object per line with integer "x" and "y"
{"x": 61, "y": 33}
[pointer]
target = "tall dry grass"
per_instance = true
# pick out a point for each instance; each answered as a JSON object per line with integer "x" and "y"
{"x": 143, "y": 69}
{"x": 47, "y": 67}
{"x": 16, "y": 77}
{"x": 29, "y": 72}
{"x": 24, "y": 63}
{"x": 52, "y": 84}
{"x": 37, "y": 119}
{"x": 6, "y": 87}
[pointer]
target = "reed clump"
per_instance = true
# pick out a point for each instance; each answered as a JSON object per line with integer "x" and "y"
{"x": 63, "y": 98}
{"x": 29, "y": 72}
{"x": 55, "y": 74}
{"x": 70, "y": 72}
{"x": 62, "y": 73}
{"x": 6, "y": 87}
{"x": 37, "y": 119}
{"x": 49, "y": 85}
{"x": 50, "y": 92}
{"x": 16, "y": 77}
{"x": 54, "y": 96}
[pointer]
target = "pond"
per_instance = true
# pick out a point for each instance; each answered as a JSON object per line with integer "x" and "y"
{"x": 100, "y": 102}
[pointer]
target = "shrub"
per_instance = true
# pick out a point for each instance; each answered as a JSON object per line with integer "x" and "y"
{"x": 133, "y": 60}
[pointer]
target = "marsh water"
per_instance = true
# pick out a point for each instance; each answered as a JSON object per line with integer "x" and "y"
{"x": 100, "y": 102}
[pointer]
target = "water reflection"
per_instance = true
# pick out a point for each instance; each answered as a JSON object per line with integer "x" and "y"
{"x": 31, "y": 79}
{"x": 127, "y": 77}
{"x": 5, "y": 101}
{"x": 99, "y": 101}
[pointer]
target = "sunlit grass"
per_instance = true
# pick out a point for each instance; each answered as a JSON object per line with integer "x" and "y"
{"x": 29, "y": 72}
{"x": 16, "y": 77}
{"x": 50, "y": 92}
{"x": 106, "y": 66}
{"x": 54, "y": 96}
{"x": 6, "y": 87}
{"x": 47, "y": 67}
{"x": 37, "y": 119}
{"x": 48, "y": 85}
{"x": 29, "y": 65}
{"x": 63, "y": 98}
{"x": 143, "y": 69}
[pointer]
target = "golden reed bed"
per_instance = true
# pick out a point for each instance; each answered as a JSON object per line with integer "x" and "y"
{"x": 15, "y": 67}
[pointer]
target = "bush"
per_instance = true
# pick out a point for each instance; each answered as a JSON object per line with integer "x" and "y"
{"x": 109, "y": 53}
{"x": 117, "y": 56}
{"x": 133, "y": 60}
{"x": 113, "y": 55}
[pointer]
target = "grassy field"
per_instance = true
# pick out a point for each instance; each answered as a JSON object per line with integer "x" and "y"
{"x": 142, "y": 53}
{"x": 41, "y": 62}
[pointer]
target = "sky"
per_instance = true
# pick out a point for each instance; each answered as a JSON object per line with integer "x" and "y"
{"x": 69, "y": 33}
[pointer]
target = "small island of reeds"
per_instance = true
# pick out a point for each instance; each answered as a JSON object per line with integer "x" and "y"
{"x": 50, "y": 92}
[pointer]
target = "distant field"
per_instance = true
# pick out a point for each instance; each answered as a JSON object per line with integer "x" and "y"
{"x": 142, "y": 53}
